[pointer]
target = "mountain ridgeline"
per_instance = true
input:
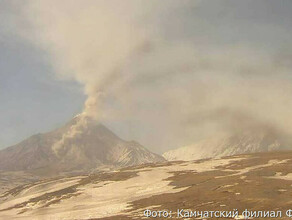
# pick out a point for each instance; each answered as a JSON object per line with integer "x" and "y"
{"x": 94, "y": 147}
{"x": 253, "y": 141}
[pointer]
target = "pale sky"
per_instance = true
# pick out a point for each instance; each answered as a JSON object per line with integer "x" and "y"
{"x": 34, "y": 100}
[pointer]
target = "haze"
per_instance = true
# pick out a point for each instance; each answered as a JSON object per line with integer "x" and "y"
{"x": 166, "y": 74}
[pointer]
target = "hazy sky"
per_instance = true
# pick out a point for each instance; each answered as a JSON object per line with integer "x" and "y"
{"x": 34, "y": 99}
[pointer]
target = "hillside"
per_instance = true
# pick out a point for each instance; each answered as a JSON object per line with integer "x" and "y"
{"x": 259, "y": 181}
{"x": 231, "y": 144}
{"x": 93, "y": 146}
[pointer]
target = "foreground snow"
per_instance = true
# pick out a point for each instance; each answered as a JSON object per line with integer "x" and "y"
{"x": 104, "y": 198}
{"x": 213, "y": 184}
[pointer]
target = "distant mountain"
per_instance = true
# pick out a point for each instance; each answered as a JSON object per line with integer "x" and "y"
{"x": 226, "y": 145}
{"x": 74, "y": 147}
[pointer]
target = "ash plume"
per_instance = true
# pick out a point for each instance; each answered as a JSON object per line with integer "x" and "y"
{"x": 173, "y": 90}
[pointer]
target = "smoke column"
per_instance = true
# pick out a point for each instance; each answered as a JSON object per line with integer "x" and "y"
{"x": 174, "y": 91}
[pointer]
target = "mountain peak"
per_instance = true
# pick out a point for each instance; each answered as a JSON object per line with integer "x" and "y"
{"x": 231, "y": 144}
{"x": 81, "y": 144}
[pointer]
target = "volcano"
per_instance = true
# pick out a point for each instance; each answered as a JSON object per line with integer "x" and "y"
{"x": 92, "y": 147}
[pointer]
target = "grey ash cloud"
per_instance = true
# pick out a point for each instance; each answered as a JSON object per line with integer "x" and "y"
{"x": 169, "y": 74}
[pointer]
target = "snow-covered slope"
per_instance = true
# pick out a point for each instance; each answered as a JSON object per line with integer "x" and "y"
{"x": 221, "y": 184}
{"x": 92, "y": 146}
{"x": 226, "y": 145}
